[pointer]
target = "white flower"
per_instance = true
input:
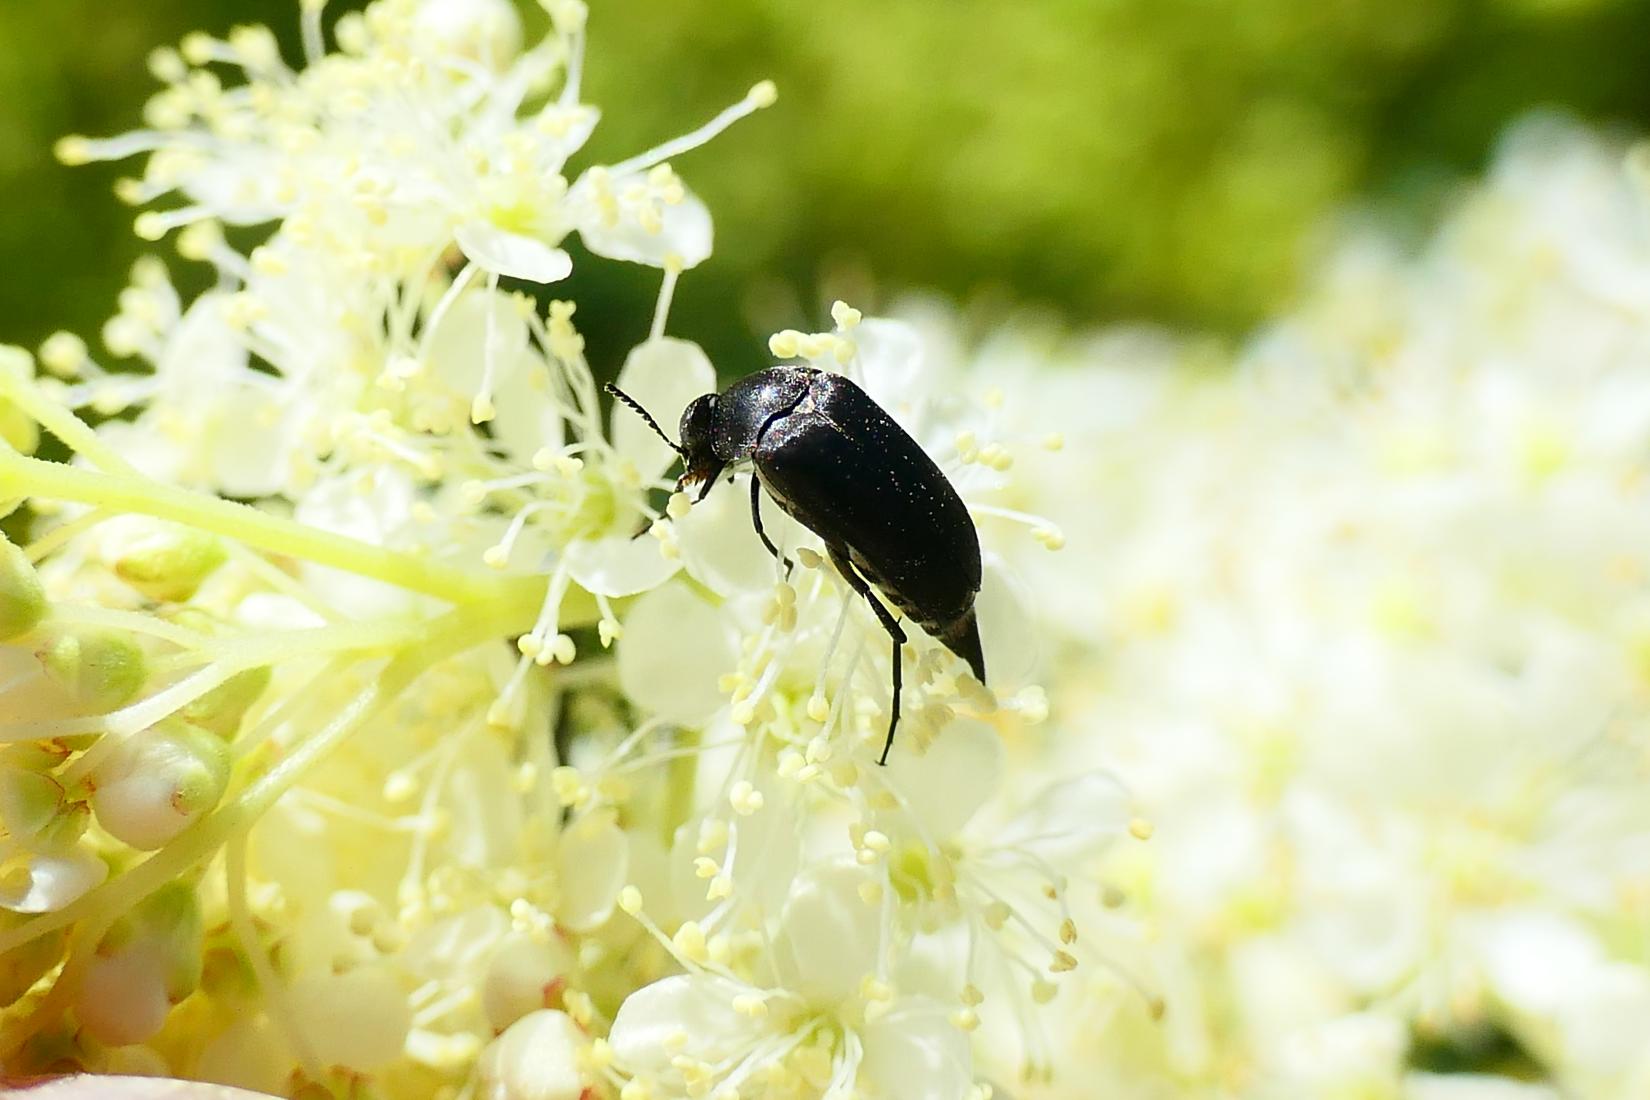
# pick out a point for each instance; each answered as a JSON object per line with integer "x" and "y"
{"x": 537, "y": 1058}
{"x": 821, "y": 1021}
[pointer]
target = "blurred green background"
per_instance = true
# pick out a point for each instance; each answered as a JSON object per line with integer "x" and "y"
{"x": 1168, "y": 159}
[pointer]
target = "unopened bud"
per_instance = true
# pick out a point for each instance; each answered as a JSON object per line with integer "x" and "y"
{"x": 164, "y": 561}
{"x": 148, "y": 962}
{"x": 537, "y": 1058}
{"x": 221, "y": 709}
{"x": 159, "y": 782}
{"x": 30, "y": 801}
{"x": 101, "y": 669}
{"x": 22, "y": 599}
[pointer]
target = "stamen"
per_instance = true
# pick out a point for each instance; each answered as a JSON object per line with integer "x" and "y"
{"x": 481, "y": 408}
{"x": 667, "y": 291}
{"x": 315, "y": 45}
{"x": 761, "y": 95}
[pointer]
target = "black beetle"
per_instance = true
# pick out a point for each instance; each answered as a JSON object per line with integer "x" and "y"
{"x": 831, "y": 457}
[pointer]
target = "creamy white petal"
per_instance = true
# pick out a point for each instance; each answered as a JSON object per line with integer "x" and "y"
{"x": 829, "y": 938}
{"x": 504, "y": 253}
{"x": 662, "y": 376}
{"x": 48, "y": 881}
{"x": 719, "y": 547}
{"x": 687, "y": 1012}
{"x": 591, "y": 864}
{"x": 944, "y": 786}
{"x": 537, "y": 1058}
{"x": 685, "y": 233}
{"x": 673, "y": 651}
{"x": 620, "y": 565}
{"x": 357, "y": 1019}
{"x": 915, "y": 1053}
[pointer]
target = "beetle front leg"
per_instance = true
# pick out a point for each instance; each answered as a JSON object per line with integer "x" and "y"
{"x": 889, "y": 623}
{"x": 756, "y": 521}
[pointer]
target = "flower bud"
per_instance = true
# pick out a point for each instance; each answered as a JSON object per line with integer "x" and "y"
{"x": 159, "y": 782}
{"x": 520, "y": 971}
{"x": 17, "y": 428}
{"x": 28, "y": 962}
{"x": 17, "y": 431}
{"x": 488, "y": 31}
{"x": 537, "y": 1058}
{"x": 148, "y": 962}
{"x": 44, "y": 882}
{"x": 101, "y": 669}
{"x": 29, "y": 800}
{"x": 221, "y": 709}
{"x": 164, "y": 561}
{"x": 22, "y": 599}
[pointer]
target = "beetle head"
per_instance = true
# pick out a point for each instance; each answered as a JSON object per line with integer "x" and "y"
{"x": 700, "y": 464}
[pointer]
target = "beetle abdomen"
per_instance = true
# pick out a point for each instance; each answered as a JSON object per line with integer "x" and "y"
{"x": 843, "y": 467}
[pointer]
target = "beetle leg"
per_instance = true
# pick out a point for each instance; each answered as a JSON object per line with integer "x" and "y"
{"x": 889, "y": 623}
{"x": 756, "y": 521}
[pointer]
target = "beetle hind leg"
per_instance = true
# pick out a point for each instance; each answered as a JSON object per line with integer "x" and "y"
{"x": 756, "y": 521}
{"x": 889, "y": 623}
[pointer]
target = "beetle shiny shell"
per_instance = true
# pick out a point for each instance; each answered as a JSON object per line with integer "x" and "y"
{"x": 832, "y": 458}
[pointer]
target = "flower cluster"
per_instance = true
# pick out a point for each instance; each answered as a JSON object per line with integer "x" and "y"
{"x": 373, "y": 715}
{"x": 1364, "y": 628}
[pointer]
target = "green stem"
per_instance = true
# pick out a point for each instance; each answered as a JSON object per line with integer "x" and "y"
{"x": 125, "y": 493}
{"x": 63, "y": 423}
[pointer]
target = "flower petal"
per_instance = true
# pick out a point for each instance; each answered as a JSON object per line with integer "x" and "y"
{"x": 914, "y": 1053}
{"x": 686, "y": 232}
{"x": 673, "y": 653}
{"x": 504, "y": 253}
{"x": 1072, "y": 821}
{"x": 51, "y": 881}
{"x": 619, "y": 565}
{"x": 591, "y": 865}
{"x": 945, "y": 785}
{"x": 650, "y": 1024}
{"x": 357, "y": 1019}
{"x": 720, "y": 549}
{"x": 1009, "y": 636}
{"x": 537, "y": 1058}
{"x": 662, "y": 376}
{"x": 829, "y": 937}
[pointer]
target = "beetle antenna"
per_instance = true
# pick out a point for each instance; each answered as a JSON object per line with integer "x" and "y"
{"x": 644, "y": 414}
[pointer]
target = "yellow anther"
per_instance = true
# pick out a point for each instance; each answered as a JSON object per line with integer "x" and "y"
{"x": 1051, "y": 538}
{"x": 689, "y": 942}
{"x": 399, "y": 787}
{"x": 786, "y": 344}
{"x": 745, "y": 798}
